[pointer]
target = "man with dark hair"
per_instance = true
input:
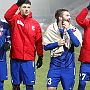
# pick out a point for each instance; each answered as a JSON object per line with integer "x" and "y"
{"x": 26, "y": 39}
{"x": 4, "y": 47}
{"x": 61, "y": 38}
{"x": 84, "y": 56}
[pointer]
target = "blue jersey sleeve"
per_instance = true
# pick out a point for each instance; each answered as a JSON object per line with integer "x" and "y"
{"x": 5, "y": 25}
{"x": 73, "y": 38}
{"x": 50, "y": 46}
{"x": 7, "y": 32}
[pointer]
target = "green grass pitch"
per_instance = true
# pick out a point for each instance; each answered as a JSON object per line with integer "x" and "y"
{"x": 41, "y": 74}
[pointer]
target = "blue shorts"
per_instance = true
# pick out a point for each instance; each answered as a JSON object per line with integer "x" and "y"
{"x": 22, "y": 71}
{"x": 3, "y": 70}
{"x": 85, "y": 72}
{"x": 65, "y": 75}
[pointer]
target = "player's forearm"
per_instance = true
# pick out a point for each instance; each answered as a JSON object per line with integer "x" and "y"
{"x": 73, "y": 38}
{"x": 11, "y": 12}
{"x": 50, "y": 46}
{"x": 81, "y": 17}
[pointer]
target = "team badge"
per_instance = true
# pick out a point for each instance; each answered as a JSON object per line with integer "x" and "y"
{"x": 73, "y": 30}
{"x": 33, "y": 28}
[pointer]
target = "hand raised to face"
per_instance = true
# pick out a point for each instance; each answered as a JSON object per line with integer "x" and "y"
{"x": 66, "y": 24}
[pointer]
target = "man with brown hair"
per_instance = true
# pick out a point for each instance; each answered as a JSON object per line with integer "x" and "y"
{"x": 61, "y": 38}
{"x": 26, "y": 39}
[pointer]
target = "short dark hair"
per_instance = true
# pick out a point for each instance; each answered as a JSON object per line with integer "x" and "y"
{"x": 59, "y": 13}
{"x": 27, "y": 2}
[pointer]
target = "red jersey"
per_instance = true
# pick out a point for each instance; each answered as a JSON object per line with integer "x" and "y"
{"x": 26, "y": 35}
{"x": 84, "y": 23}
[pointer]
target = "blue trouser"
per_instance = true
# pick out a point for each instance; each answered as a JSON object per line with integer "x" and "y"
{"x": 22, "y": 71}
{"x": 84, "y": 75}
{"x": 65, "y": 75}
{"x": 1, "y": 85}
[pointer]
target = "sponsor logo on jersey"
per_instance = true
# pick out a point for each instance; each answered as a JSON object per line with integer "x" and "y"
{"x": 20, "y": 22}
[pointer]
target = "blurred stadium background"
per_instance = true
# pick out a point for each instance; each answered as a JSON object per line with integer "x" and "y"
{"x": 43, "y": 11}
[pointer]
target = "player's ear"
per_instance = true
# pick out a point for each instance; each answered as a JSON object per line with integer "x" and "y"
{"x": 19, "y": 8}
{"x": 60, "y": 18}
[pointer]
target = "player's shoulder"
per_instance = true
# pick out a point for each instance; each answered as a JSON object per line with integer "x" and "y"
{"x": 3, "y": 20}
{"x": 53, "y": 26}
{"x": 74, "y": 29}
{"x": 34, "y": 20}
{"x": 4, "y": 23}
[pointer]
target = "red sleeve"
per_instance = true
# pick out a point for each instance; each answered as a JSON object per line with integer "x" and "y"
{"x": 39, "y": 45}
{"x": 10, "y": 13}
{"x": 81, "y": 18}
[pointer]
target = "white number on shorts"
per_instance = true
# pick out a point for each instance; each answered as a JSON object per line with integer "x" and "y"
{"x": 49, "y": 81}
{"x": 83, "y": 75}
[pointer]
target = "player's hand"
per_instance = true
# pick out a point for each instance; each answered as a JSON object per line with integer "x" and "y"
{"x": 61, "y": 42}
{"x": 39, "y": 61}
{"x": 66, "y": 24}
{"x": 20, "y": 2}
{"x": 6, "y": 46}
{"x": 60, "y": 22}
{"x": 88, "y": 7}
